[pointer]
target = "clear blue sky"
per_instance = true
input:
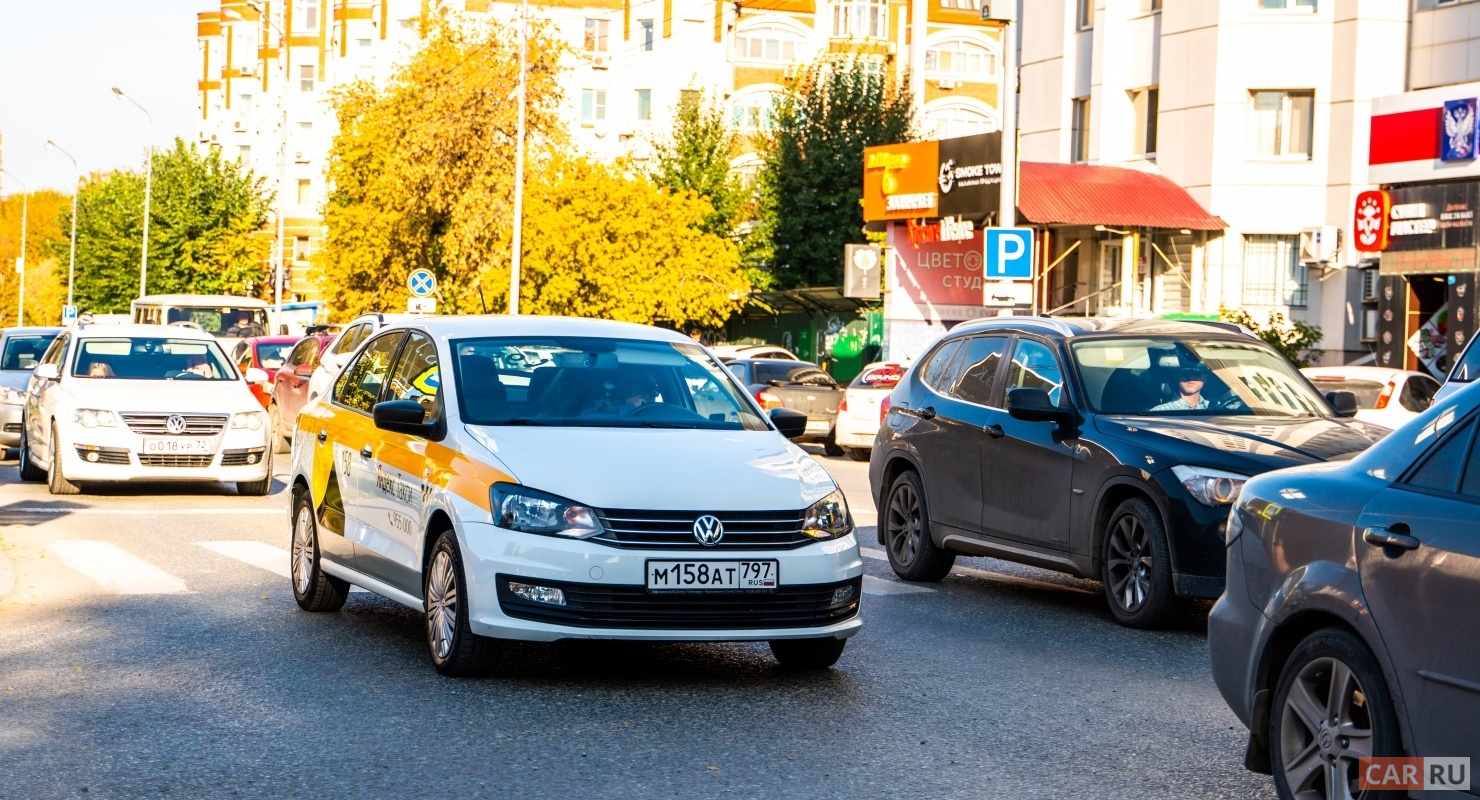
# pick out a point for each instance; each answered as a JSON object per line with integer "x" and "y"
{"x": 58, "y": 60}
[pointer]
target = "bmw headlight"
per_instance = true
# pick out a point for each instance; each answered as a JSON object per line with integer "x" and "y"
{"x": 94, "y": 418}
{"x": 828, "y": 518}
{"x": 250, "y": 420}
{"x": 520, "y": 508}
{"x": 12, "y": 397}
{"x": 1211, "y": 487}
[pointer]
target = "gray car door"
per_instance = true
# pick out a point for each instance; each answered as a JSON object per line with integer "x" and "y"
{"x": 1424, "y": 593}
{"x": 949, "y": 429}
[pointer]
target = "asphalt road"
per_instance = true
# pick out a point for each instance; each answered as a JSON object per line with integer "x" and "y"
{"x": 183, "y": 668}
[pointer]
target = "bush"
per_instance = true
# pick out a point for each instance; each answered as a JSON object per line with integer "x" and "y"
{"x": 1294, "y": 339}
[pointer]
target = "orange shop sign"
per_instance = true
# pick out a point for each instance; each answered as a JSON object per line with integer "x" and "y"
{"x": 899, "y": 181}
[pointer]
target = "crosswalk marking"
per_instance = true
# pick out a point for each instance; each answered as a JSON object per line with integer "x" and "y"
{"x": 874, "y": 553}
{"x": 115, "y": 569}
{"x": 260, "y": 555}
{"x": 879, "y": 586}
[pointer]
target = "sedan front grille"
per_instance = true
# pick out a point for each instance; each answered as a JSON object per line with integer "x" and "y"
{"x": 152, "y": 424}
{"x": 102, "y": 455}
{"x": 675, "y": 529}
{"x": 590, "y": 605}
{"x": 175, "y": 460}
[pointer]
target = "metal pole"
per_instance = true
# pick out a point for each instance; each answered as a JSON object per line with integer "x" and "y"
{"x": 76, "y": 188}
{"x": 518, "y": 239}
{"x": 1007, "y": 215}
{"x": 148, "y": 186}
{"x": 20, "y": 298}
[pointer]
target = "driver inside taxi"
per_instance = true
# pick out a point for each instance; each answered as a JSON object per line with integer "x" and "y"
{"x": 633, "y": 393}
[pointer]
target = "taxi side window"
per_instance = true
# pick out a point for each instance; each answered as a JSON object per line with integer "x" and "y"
{"x": 417, "y": 376}
{"x": 362, "y": 382}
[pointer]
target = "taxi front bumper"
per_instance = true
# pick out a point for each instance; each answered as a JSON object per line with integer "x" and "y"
{"x": 606, "y": 598}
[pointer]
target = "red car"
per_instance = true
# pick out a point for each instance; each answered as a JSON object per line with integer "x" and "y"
{"x": 290, "y": 384}
{"x": 265, "y": 353}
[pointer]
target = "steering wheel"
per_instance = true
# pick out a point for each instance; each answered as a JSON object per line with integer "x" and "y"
{"x": 187, "y": 375}
{"x": 647, "y": 409}
{"x": 185, "y": 323}
{"x": 1231, "y": 403}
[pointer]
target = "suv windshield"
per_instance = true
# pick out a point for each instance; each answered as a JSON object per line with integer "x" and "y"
{"x": 1182, "y": 377}
{"x": 151, "y": 359}
{"x": 599, "y": 383}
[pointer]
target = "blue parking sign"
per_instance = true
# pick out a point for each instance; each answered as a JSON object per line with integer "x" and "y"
{"x": 1009, "y": 254}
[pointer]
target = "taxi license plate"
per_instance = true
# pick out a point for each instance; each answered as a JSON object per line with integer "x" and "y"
{"x": 700, "y": 576}
{"x": 183, "y": 445}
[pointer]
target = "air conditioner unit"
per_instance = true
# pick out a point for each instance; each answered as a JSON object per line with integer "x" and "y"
{"x": 600, "y": 62}
{"x": 947, "y": 83}
{"x": 239, "y": 125}
{"x": 300, "y": 158}
{"x": 1320, "y": 245}
{"x": 246, "y": 72}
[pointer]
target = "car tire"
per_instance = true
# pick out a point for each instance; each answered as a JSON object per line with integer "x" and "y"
{"x": 28, "y": 469}
{"x": 280, "y": 443}
{"x": 831, "y": 448}
{"x": 456, "y": 651}
{"x": 1136, "y": 567}
{"x": 1300, "y": 719}
{"x": 859, "y": 453}
{"x": 56, "y": 483}
{"x": 808, "y": 654}
{"x": 257, "y": 488}
{"x": 913, "y": 555}
{"x": 313, "y": 588}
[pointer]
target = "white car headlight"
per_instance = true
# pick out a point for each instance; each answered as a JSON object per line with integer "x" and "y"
{"x": 828, "y": 518}
{"x": 1211, "y": 487}
{"x": 12, "y": 397}
{"x": 520, "y": 508}
{"x": 251, "y": 420}
{"x": 94, "y": 418}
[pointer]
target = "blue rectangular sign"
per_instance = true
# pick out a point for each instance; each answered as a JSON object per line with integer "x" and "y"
{"x": 1009, "y": 254}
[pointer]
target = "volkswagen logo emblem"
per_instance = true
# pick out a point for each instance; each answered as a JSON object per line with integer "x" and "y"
{"x": 175, "y": 424}
{"x": 709, "y": 530}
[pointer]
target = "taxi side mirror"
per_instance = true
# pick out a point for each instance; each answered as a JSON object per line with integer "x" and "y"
{"x": 408, "y": 417}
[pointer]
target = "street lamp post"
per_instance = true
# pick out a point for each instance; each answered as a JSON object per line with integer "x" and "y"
{"x": 516, "y": 257}
{"x": 277, "y": 258}
{"x": 148, "y": 184}
{"x": 72, "y": 256}
{"x": 20, "y": 266}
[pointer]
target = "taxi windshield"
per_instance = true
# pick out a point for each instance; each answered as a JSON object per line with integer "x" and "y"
{"x": 151, "y": 359}
{"x": 597, "y": 383}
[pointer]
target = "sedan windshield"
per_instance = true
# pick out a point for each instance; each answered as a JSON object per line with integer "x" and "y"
{"x": 151, "y": 359}
{"x": 22, "y": 352}
{"x": 602, "y": 383}
{"x": 1182, "y": 377}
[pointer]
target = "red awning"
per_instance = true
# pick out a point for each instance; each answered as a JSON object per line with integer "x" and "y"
{"x": 1085, "y": 194}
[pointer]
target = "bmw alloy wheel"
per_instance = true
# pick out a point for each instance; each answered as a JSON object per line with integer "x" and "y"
{"x": 903, "y": 521}
{"x": 441, "y": 605}
{"x": 1130, "y": 563}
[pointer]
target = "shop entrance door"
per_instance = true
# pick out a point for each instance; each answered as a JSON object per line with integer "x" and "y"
{"x": 1112, "y": 292}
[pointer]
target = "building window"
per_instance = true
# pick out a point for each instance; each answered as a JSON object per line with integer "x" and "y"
{"x": 646, "y": 28}
{"x": 305, "y": 190}
{"x": 363, "y": 52}
{"x": 753, "y": 112}
{"x": 596, "y": 30}
{"x": 1150, "y": 6}
{"x": 1146, "y": 102}
{"x": 1273, "y": 274}
{"x": 593, "y": 105}
{"x": 1280, "y": 124}
{"x": 963, "y": 5}
{"x": 244, "y": 153}
{"x": 949, "y": 121}
{"x": 1079, "y": 130}
{"x": 305, "y": 77}
{"x": 300, "y": 249}
{"x": 768, "y": 43}
{"x": 861, "y": 19}
{"x": 308, "y": 15}
{"x": 963, "y": 58}
{"x": 245, "y": 102}
{"x": 1086, "y": 14}
{"x": 1282, "y": 5}
{"x": 644, "y": 104}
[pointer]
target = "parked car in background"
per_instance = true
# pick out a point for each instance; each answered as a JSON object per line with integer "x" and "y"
{"x": 142, "y": 403}
{"x": 290, "y": 384}
{"x": 729, "y": 352}
{"x": 227, "y": 317}
{"x": 266, "y": 353}
{"x": 1349, "y": 628}
{"x": 1104, "y": 448}
{"x": 1386, "y": 397}
{"x": 20, "y": 351}
{"x": 801, "y": 385}
{"x": 858, "y": 412}
{"x": 331, "y": 361}
{"x": 1466, "y": 368}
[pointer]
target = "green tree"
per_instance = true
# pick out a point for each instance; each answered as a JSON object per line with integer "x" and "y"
{"x": 205, "y": 231}
{"x": 695, "y": 157}
{"x": 1294, "y": 339}
{"x": 811, "y": 185}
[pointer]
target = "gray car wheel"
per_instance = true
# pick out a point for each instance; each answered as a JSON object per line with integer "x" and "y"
{"x": 1136, "y": 567}
{"x": 913, "y": 555}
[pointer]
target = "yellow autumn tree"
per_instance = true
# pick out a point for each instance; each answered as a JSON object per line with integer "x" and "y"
{"x": 45, "y": 292}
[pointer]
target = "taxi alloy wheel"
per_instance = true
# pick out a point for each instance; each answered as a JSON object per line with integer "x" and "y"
{"x": 456, "y": 651}
{"x": 314, "y": 589}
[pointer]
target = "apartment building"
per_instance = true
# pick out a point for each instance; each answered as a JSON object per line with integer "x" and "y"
{"x": 1258, "y": 108}
{"x": 631, "y": 62}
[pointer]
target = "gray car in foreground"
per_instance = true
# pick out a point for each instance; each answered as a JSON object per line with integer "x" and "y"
{"x": 1350, "y": 625}
{"x": 20, "y": 349}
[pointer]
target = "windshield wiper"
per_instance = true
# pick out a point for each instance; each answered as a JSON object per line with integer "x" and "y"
{"x": 518, "y": 421}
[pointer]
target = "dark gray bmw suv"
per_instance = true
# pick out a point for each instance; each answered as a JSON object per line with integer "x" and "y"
{"x": 1108, "y": 449}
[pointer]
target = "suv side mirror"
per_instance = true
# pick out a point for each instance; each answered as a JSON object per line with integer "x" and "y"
{"x": 406, "y": 416}
{"x": 1033, "y": 405}
{"x": 1343, "y": 403}
{"x": 791, "y": 422}
{"x": 46, "y": 372}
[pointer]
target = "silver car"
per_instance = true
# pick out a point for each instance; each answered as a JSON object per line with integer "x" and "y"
{"x": 20, "y": 349}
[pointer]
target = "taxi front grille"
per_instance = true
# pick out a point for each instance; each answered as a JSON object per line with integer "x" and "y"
{"x": 595, "y": 606}
{"x": 159, "y": 424}
{"x": 175, "y": 460}
{"x": 674, "y": 530}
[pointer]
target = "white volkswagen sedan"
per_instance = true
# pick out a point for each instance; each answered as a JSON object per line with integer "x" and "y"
{"x": 142, "y": 403}
{"x": 622, "y": 486}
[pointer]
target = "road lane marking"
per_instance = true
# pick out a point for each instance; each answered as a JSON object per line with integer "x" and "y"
{"x": 879, "y": 586}
{"x": 260, "y": 555}
{"x": 141, "y": 511}
{"x": 7, "y": 576}
{"x": 875, "y": 553}
{"x": 115, "y": 569}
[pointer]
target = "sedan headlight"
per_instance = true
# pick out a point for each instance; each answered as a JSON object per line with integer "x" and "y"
{"x": 520, "y": 508}
{"x": 828, "y": 518}
{"x": 94, "y": 418}
{"x": 12, "y": 397}
{"x": 250, "y": 420}
{"x": 1211, "y": 487}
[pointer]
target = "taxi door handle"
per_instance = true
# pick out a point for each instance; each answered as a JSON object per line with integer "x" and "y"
{"x": 323, "y": 435}
{"x": 365, "y": 451}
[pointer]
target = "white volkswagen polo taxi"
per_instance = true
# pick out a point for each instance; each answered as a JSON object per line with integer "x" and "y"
{"x": 142, "y": 403}
{"x": 611, "y": 482}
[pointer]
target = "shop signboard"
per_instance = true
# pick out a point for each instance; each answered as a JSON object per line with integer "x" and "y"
{"x": 900, "y": 181}
{"x": 1432, "y": 217}
{"x": 1370, "y": 221}
{"x": 862, "y": 264}
{"x": 936, "y": 280}
{"x": 969, "y": 176}
{"x": 1459, "y": 138}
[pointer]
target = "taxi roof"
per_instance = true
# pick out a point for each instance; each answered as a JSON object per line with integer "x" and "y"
{"x": 476, "y": 325}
